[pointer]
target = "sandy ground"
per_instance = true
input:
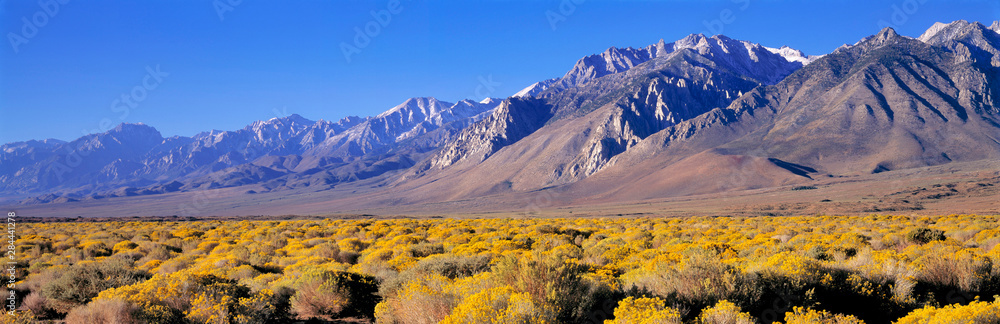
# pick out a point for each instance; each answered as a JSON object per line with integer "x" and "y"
{"x": 955, "y": 188}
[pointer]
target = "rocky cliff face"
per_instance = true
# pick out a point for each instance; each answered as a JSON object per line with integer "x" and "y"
{"x": 889, "y": 102}
{"x": 514, "y": 119}
{"x": 686, "y": 79}
{"x": 607, "y": 104}
{"x": 746, "y": 58}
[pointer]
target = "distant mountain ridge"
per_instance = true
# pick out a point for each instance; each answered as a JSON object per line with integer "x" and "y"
{"x": 697, "y": 115}
{"x": 738, "y": 55}
{"x": 136, "y": 155}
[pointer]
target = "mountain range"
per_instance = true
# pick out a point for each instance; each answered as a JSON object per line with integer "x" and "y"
{"x": 699, "y": 115}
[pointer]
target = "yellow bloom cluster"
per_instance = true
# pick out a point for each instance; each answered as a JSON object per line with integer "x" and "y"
{"x": 974, "y": 312}
{"x": 878, "y": 268}
{"x": 644, "y": 311}
{"x": 803, "y": 315}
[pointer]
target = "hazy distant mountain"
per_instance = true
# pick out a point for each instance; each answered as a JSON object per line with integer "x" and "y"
{"x": 410, "y": 119}
{"x": 698, "y": 115}
{"x": 136, "y": 156}
{"x": 88, "y": 161}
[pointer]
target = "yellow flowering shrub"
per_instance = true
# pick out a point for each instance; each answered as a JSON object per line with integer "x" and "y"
{"x": 422, "y": 300}
{"x": 644, "y": 311}
{"x": 499, "y": 305}
{"x": 198, "y": 298}
{"x": 724, "y": 312}
{"x": 976, "y": 312}
{"x": 802, "y": 315}
{"x": 877, "y": 268}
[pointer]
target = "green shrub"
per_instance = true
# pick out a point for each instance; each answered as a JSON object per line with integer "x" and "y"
{"x": 105, "y": 312}
{"x": 447, "y": 265}
{"x": 82, "y": 282}
{"x": 327, "y": 295}
{"x": 701, "y": 280}
{"x": 924, "y": 235}
{"x": 551, "y": 283}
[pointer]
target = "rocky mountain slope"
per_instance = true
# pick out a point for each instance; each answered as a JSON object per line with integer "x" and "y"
{"x": 889, "y": 102}
{"x": 604, "y": 106}
{"x": 698, "y": 115}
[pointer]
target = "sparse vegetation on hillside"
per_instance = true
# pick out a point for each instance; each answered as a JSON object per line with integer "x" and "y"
{"x": 874, "y": 269}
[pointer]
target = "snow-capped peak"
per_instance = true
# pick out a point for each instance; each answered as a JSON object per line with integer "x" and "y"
{"x": 489, "y": 100}
{"x": 425, "y": 106}
{"x": 944, "y": 32}
{"x": 690, "y": 41}
{"x": 294, "y": 121}
{"x": 741, "y": 55}
{"x": 936, "y": 28}
{"x": 535, "y": 88}
{"x": 793, "y": 55}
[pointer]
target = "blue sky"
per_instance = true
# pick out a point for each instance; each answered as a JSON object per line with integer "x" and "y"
{"x": 206, "y": 64}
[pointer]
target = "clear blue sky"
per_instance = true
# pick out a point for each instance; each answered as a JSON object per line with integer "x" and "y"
{"x": 267, "y": 58}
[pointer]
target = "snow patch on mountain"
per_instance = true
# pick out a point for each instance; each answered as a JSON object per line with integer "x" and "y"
{"x": 742, "y": 55}
{"x": 535, "y": 88}
{"x": 415, "y": 109}
{"x": 943, "y": 32}
{"x": 793, "y": 55}
{"x": 934, "y": 30}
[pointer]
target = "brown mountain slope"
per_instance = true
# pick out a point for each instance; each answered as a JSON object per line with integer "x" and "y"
{"x": 594, "y": 122}
{"x": 890, "y": 102}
